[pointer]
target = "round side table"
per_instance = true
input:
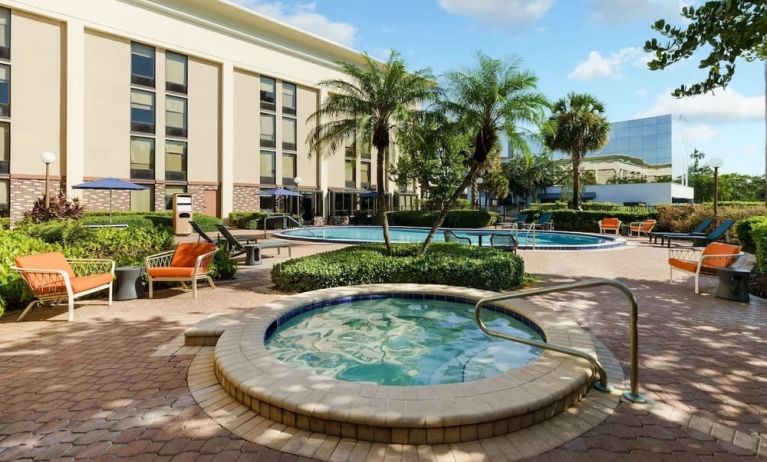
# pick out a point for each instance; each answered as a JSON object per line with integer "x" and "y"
{"x": 733, "y": 284}
{"x": 128, "y": 284}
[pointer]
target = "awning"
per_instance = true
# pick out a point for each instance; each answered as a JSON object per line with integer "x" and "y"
{"x": 347, "y": 190}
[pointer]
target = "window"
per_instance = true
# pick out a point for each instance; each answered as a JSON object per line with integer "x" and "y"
{"x": 5, "y": 33}
{"x": 267, "y": 203}
{"x": 289, "y": 134}
{"x": 142, "y": 158}
{"x": 142, "y": 65}
{"x": 267, "y": 166}
{"x": 142, "y": 200}
{"x": 141, "y": 111}
{"x": 5, "y": 196}
{"x": 289, "y": 171}
{"x": 170, "y": 190}
{"x": 5, "y": 148}
{"x": 267, "y": 131}
{"x": 175, "y": 161}
{"x": 268, "y": 100}
{"x": 365, "y": 174}
{"x": 5, "y": 90}
{"x": 175, "y": 72}
{"x": 351, "y": 173}
{"x": 365, "y": 155}
{"x": 175, "y": 116}
{"x": 351, "y": 145}
{"x": 288, "y": 98}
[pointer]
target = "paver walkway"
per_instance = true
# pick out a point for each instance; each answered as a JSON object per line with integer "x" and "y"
{"x": 95, "y": 389}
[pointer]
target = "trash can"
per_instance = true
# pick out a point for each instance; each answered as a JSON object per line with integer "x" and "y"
{"x": 182, "y": 214}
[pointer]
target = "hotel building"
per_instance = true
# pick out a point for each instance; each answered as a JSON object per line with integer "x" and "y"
{"x": 198, "y": 96}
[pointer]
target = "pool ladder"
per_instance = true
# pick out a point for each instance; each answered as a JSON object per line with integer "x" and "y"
{"x": 285, "y": 219}
{"x": 631, "y": 395}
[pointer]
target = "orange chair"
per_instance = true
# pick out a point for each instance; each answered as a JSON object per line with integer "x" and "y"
{"x": 642, "y": 227}
{"x": 187, "y": 263}
{"x": 715, "y": 256}
{"x": 609, "y": 224}
{"x": 50, "y": 278}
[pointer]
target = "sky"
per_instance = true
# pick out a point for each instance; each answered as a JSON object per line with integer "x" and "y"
{"x": 592, "y": 46}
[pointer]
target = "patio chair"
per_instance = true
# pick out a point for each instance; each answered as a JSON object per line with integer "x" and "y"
{"x": 715, "y": 256}
{"x": 187, "y": 263}
{"x": 504, "y": 242}
{"x": 521, "y": 220}
{"x": 701, "y": 241}
{"x": 50, "y": 278}
{"x": 609, "y": 225}
{"x": 699, "y": 230}
{"x": 201, "y": 233}
{"x": 451, "y": 237}
{"x": 235, "y": 246}
{"x": 642, "y": 227}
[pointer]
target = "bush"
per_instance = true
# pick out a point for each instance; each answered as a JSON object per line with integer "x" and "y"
{"x": 587, "y": 220}
{"x": 124, "y": 246}
{"x": 454, "y": 218}
{"x": 148, "y": 219}
{"x": 207, "y": 222}
{"x": 12, "y": 245}
{"x": 250, "y": 220}
{"x": 224, "y": 267}
{"x": 59, "y": 207}
{"x": 744, "y": 230}
{"x": 476, "y": 267}
{"x": 683, "y": 218}
{"x": 5, "y": 223}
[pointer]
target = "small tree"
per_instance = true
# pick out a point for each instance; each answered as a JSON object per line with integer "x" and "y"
{"x": 579, "y": 126}
{"x": 495, "y": 184}
{"x": 529, "y": 173}
{"x": 59, "y": 208}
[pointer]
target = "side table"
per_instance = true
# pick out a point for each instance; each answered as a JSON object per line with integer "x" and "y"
{"x": 733, "y": 284}
{"x": 128, "y": 284}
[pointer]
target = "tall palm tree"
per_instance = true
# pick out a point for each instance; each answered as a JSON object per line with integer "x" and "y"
{"x": 493, "y": 97}
{"x": 579, "y": 126}
{"x": 371, "y": 103}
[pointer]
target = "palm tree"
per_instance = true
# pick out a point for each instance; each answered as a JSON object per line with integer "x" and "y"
{"x": 493, "y": 97}
{"x": 370, "y": 105}
{"x": 579, "y": 126}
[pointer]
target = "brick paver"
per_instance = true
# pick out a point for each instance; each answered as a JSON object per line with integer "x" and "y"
{"x": 93, "y": 389}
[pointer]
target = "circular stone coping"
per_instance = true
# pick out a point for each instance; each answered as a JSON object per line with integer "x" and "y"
{"x": 253, "y": 373}
{"x": 609, "y": 242}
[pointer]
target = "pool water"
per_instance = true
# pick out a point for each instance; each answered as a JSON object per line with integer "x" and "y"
{"x": 361, "y": 234}
{"x": 401, "y": 341}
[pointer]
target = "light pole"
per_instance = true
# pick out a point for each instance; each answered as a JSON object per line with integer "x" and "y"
{"x": 715, "y": 163}
{"x": 297, "y": 180}
{"x": 48, "y": 158}
{"x": 479, "y": 180}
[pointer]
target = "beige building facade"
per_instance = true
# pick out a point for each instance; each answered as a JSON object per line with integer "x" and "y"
{"x": 197, "y": 96}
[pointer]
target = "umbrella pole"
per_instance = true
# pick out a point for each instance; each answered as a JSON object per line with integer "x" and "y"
{"x": 110, "y": 206}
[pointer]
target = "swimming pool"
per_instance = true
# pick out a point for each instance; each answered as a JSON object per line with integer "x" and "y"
{"x": 394, "y": 340}
{"x": 547, "y": 240}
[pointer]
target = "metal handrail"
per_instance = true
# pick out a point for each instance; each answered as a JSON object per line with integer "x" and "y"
{"x": 283, "y": 218}
{"x": 631, "y": 395}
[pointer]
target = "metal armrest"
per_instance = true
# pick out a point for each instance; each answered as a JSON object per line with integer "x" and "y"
{"x": 63, "y": 274}
{"x": 688, "y": 254}
{"x": 203, "y": 261}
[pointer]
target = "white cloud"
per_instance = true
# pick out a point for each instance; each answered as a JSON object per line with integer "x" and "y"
{"x": 304, "y": 16}
{"x": 721, "y": 107}
{"x": 702, "y": 132}
{"x": 641, "y": 92}
{"x": 499, "y": 11}
{"x": 630, "y": 10}
{"x": 597, "y": 66}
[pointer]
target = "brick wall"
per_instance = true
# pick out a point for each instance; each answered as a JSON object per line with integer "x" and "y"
{"x": 198, "y": 196}
{"x": 97, "y": 200}
{"x": 246, "y": 199}
{"x": 24, "y": 192}
{"x": 159, "y": 197}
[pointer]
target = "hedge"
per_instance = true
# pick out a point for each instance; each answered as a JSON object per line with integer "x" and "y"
{"x": 454, "y": 218}
{"x": 148, "y": 219}
{"x": 451, "y": 264}
{"x": 683, "y": 218}
{"x": 5, "y": 223}
{"x": 599, "y": 206}
{"x": 586, "y": 220}
{"x": 250, "y": 220}
{"x": 744, "y": 230}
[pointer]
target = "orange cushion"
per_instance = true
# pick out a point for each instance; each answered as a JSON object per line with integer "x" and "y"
{"x": 45, "y": 283}
{"x": 720, "y": 248}
{"x": 186, "y": 254}
{"x": 686, "y": 265}
{"x": 611, "y": 223}
{"x": 83, "y": 283}
{"x": 171, "y": 272}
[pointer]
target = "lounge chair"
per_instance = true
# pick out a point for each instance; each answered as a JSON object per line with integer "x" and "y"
{"x": 235, "y": 246}
{"x": 50, "y": 278}
{"x": 451, "y": 237}
{"x": 642, "y": 227}
{"x": 201, "y": 233}
{"x": 521, "y": 220}
{"x": 544, "y": 222}
{"x": 699, "y": 230}
{"x": 714, "y": 257}
{"x": 504, "y": 242}
{"x": 701, "y": 241}
{"x": 609, "y": 225}
{"x": 187, "y": 263}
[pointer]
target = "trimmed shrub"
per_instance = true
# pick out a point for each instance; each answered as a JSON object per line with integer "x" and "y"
{"x": 12, "y": 245}
{"x": 450, "y": 264}
{"x": 454, "y": 218}
{"x": 5, "y": 223}
{"x": 745, "y": 234}
{"x": 148, "y": 219}
{"x": 224, "y": 267}
{"x": 207, "y": 222}
{"x": 124, "y": 246}
{"x": 250, "y": 220}
{"x": 683, "y": 218}
{"x": 586, "y": 220}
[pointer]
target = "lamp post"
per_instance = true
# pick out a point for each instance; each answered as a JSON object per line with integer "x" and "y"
{"x": 479, "y": 180}
{"x": 297, "y": 180}
{"x": 48, "y": 158}
{"x": 716, "y": 163}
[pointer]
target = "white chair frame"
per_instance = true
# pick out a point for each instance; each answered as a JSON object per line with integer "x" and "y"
{"x": 617, "y": 230}
{"x": 685, "y": 254}
{"x": 68, "y": 295}
{"x": 163, "y": 259}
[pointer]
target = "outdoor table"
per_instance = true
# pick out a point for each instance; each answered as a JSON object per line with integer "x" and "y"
{"x": 252, "y": 255}
{"x": 128, "y": 284}
{"x": 733, "y": 284}
{"x": 481, "y": 234}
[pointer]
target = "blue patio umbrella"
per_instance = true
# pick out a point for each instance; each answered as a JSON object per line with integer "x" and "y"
{"x": 110, "y": 184}
{"x": 277, "y": 192}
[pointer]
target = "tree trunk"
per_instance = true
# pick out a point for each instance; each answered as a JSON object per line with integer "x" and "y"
{"x": 765, "y": 130}
{"x": 474, "y": 194}
{"x": 576, "y": 181}
{"x": 382, "y": 204}
{"x": 447, "y": 206}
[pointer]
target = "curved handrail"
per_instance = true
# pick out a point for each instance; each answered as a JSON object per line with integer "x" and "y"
{"x": 281, "y": 217}
{"x": 631, "y": 395}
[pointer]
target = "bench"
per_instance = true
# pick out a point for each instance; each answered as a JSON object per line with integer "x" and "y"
{"x": 253, "y": 251}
